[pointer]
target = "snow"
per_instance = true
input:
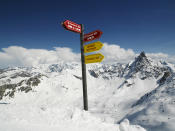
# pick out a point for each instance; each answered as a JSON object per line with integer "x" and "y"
{"x": 115, "y": 99}
{"x": 155, "y": 110}
{"x": 56, "y": 104}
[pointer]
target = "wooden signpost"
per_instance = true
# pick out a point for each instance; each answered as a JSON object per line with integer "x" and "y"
{"x": 79, "y": 28}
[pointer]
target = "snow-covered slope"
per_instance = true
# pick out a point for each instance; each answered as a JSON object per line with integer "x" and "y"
{"x": 156, "y": 109}
{"x": 49, "y": 97}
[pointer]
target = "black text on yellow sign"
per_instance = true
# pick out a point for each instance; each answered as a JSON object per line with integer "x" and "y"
{"x": 94, "y": 58}
{"x": 93, "y": 47}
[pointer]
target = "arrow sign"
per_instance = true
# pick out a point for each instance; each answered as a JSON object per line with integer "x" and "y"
{"x": 92, "y": 35}
{"x": 69, "y": 25}
{"x": 93, "y": 47}
{"x": 94, "y": 58}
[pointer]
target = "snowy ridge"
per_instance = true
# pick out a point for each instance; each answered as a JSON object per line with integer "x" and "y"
{"x": 49, "y": 97}
{"x": 155, "y": 110}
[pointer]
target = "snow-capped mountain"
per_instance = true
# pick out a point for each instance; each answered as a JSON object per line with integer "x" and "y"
{"x": 156, "y": 109}
{"x": 140, "y": 91}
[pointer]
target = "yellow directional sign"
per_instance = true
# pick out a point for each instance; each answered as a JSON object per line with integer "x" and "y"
{"x": 94, "y": 58}
{"x": 93, "y": 47}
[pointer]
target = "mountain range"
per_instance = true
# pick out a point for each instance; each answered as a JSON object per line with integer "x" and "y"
{"x": 141, "y": 92}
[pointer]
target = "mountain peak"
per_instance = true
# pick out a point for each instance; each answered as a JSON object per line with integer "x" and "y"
{"x": 144, "y": 66}
{"x": 142, "y": 57}
{"x": 140, "y": 61}
{"x": 142, "y": 54}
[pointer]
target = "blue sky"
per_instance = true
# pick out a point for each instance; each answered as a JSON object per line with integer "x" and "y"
{"x": 147, "y": 25}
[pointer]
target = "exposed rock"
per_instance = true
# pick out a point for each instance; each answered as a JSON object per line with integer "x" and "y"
{"x": 107, "y": 71}
{"x": 11, "y": 89}
{"x": 21, "y": 74}
{"x": 25, "y": 89}
{"x": 3, "y": 77}
{"x": 34, "y": 81}
{"x": 164, "y": 78}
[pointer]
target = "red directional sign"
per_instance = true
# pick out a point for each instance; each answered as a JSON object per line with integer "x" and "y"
{"x": 69, "y": 25}
{"x": 92, "y": 35}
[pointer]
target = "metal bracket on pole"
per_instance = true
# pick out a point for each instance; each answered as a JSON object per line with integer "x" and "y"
{"x": 84, "y": 81}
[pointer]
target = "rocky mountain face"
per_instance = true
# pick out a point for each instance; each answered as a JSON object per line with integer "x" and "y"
{"x": 14, "y": 80}
{"x": 140, "y": 91}
{"x": 142, "y": 66}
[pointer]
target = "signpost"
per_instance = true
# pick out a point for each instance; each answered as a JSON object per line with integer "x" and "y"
{"x": 92, "y": 35}
{"x": 93, "y": 47}
{"x": 79, "y": 28}
{"x": 71, "y": 26}
{"x": 83, "y": 65}
{"x": 94, "y": 58}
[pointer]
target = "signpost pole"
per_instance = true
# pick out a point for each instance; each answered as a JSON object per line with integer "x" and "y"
{"x": 79, "y": 28}
{"x": 85, "y": 97}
